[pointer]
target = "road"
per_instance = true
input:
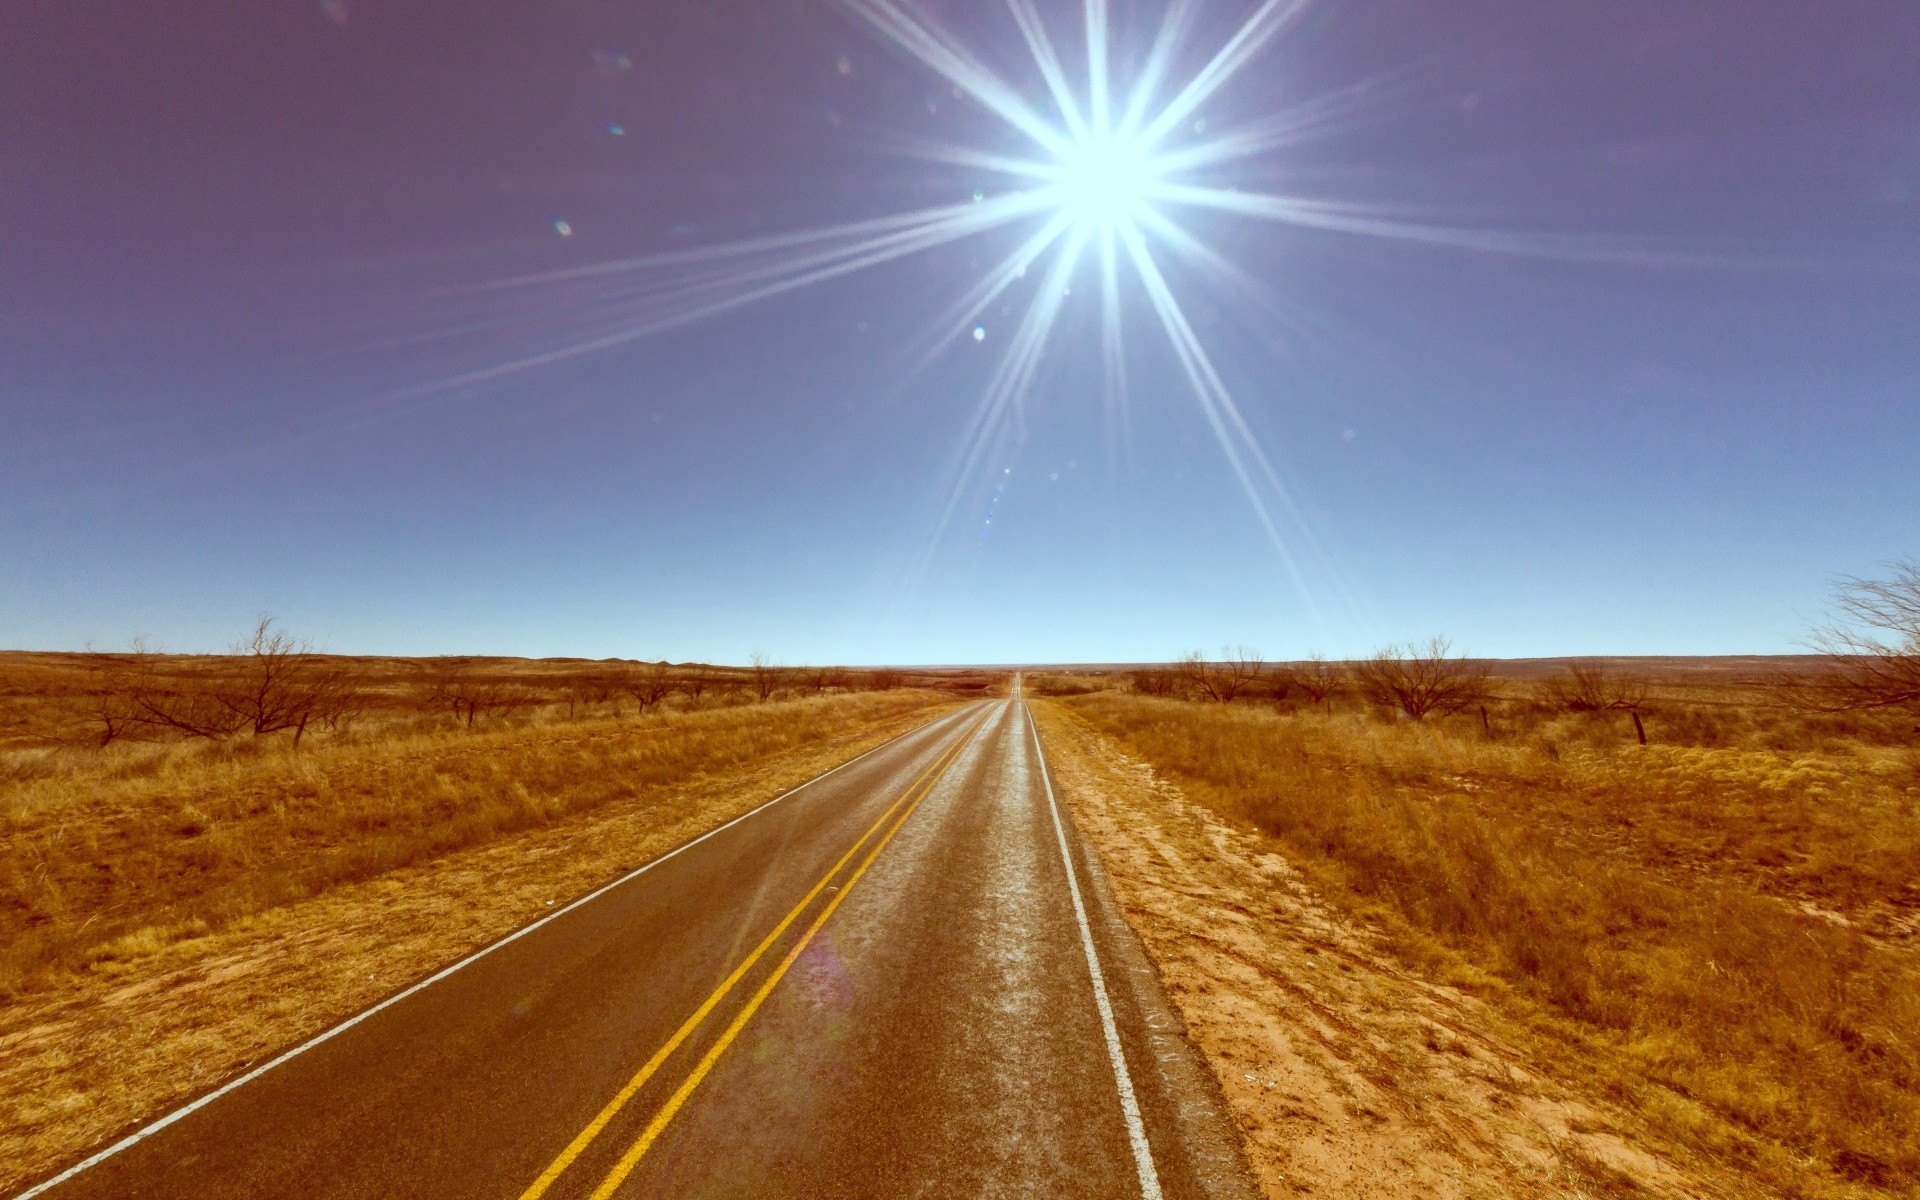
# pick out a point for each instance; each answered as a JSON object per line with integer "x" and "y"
{"x": 887, "y": 983}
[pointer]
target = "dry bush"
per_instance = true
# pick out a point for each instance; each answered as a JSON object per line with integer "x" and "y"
{"x": 648, "y": 684}
{"x": 1422, "y": 678}
{"x": 815, "y": 680}
{"x": 1061, "y": 683}
{"x": 471, "y": 697}
{"x": 269, "y": 683}
{"x": 764, "y": 676}
{"x": 1872, "y": 648}
{"x": 1316, "y": 678}
{"x": 1721, "y": 937}
{"x": 198, "y": 835}
{"x": 588, "y": 692}
{"x": 1589, "y": 687}
{"x": 1155, "y": 681}
{"x": 1237, "y": 671}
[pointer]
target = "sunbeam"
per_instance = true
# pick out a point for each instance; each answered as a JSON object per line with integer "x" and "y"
{"x": 1102, "y": 173}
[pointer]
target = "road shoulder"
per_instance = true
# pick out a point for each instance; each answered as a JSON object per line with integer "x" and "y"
{"x": 1346, "y": 1075}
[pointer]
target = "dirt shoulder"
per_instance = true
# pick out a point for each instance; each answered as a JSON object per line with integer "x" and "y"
{"x": 102, "y": 1050}
{"x": 1347, "y": 1075}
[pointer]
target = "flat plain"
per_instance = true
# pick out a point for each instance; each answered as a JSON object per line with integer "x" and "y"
{"x": 1660, "y": 936}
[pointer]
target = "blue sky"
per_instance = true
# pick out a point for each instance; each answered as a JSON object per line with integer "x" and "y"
{"x": 242, "y": 273}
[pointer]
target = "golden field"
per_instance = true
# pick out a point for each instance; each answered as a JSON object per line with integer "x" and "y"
{"x": 110, "y": 851}
{"x": 174, "y": 909}
{"x": 1718, "y": 930}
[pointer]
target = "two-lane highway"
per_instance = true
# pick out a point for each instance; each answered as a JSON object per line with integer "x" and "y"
{"x": 903, "y": 979}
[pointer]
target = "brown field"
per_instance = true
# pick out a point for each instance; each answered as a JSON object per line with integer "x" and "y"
{"x": 1564, "y": 962}
{"x": 1718, "y": 932}
{"x": 109, "y": 850}
{"x": 173, "y": 908}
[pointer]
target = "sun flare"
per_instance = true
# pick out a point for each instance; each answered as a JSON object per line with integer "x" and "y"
{"x": 1102, "y": 178}
{"x": 1103, "y": 182}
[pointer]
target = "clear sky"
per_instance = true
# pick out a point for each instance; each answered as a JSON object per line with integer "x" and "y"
{"x": 367, "y": 314}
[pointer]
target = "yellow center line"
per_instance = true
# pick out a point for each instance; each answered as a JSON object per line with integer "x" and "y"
{"x": 687, "y": 1027}
{"x": 632, "y": 1157}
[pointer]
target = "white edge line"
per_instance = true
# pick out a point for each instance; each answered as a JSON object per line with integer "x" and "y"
{"x": 186, "y": 1109}
{"x": 1129, "y": 1105}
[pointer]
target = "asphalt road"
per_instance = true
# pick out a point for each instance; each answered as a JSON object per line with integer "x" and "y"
{"x": 888, "y": 983}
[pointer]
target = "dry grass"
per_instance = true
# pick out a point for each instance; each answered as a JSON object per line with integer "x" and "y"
{"x": 107, "y": 854}
{"x": 113, "y": 1031}
{"x": 1720, "y": 935}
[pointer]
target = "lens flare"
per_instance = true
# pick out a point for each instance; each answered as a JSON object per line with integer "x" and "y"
{"x": 1102, "y": 182}
{"x": 1099, "y": 179}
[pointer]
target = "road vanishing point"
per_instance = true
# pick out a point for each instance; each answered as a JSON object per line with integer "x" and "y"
{"x": 905, "y": 978}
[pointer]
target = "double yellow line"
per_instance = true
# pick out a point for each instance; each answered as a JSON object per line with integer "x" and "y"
{"x": 903, "y": 806}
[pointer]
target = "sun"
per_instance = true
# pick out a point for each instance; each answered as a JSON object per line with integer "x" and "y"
{"x": 1102, "y": 176}
{"x": 1103, "y": 182}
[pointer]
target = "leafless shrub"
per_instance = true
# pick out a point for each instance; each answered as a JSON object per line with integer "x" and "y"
{"x": 591, "y": 691}
{"x": 815, "y": 680}
{"x": 883, "y": 679}
{"x": 1316, "y": 678}
{"x": 1588, "y": 687}
{"x": 471, "y": 697}
{"x": 272, "y": 682}
{"x": 764, "y": 675}
{"x": 1422, "y": 678}
{"x": 694, "y": 683}
{"x": 1237, "y": 670}
{"x": 1591, "y": 687}
{"x": 114, "y": 709}
{"x": 648, "y": 684}
{"x": 1155, "y": 681}
{"x": 1872, "y": 647}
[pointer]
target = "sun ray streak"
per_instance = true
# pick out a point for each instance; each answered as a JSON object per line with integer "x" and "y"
{"x": 968, "y": 156}
{"x": 701, "y": 301}
{"x": 1197, "y": 251}
{"x": 1342, "y": 218}
{"x": 938, "y": 50}
{"x": 1098, "y": 101}
{"x": 991, "y": 287}
{"x": 1259, "y": 29}
{"x": 751, "y": 246}
{"x": 1230, "y": 429}
{"x": 1113, "y": 360}
{"x": 1041, "y": 47}
{"x": 1011, "y": 378}
{"x": 1173, "y": 27}
{"x": 1289, "y": 127}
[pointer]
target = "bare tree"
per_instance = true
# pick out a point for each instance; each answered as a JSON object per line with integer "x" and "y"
{"x": 648, "y": 684}
{"x": 1422, "y": 678}
{"x": 883, "y": 679}
{"x": 270, "y": 683}
{"x": 765, "y": 675}
{"x": 694, "y": 683}
{"x": 1154, "y": 681}
{"x": 1588, "y": 687}
{"x": 588, "y": 692}
{"x": 819, "y": 679}
{"x": 114, "y": 709}
{"x": 1317, "y": 679}
{"x": 471, "y": 697}
{"x": 1872, "y": 646}
{"x": 1237, "y": 670}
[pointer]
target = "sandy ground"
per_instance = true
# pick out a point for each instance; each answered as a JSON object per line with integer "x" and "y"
{"x": 1348, "y": 1076}
{"x": 107, "y": 1050}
